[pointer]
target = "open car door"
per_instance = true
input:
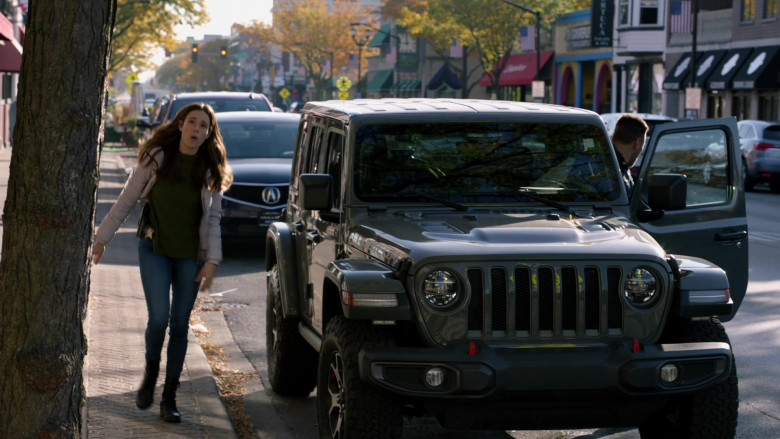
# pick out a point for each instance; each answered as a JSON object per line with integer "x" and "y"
{"x": 713, "y": 223}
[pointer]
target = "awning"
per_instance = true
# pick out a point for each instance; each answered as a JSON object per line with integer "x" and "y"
{"x": 728, "y": 67}
{"x": 10, "y": 49}
{"x": 680, "y": 75}
{"x": 444, "y": 76}
{"x": 409, "y": 85}
{"x": 383, "y": 81}
{"x": 519, "y": 70}
{"x": 707, "y": 64}
{"x": 381, "y": 36}
{"x": 760, "y": 70}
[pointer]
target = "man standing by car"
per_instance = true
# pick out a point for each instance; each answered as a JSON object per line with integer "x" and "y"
{"x": 628, "y": 139}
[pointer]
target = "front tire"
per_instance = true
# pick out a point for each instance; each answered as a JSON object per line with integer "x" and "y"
{"x": 709, "y": 414}
{"x": 292, "y": 362}
{"x": 347, "y": 407}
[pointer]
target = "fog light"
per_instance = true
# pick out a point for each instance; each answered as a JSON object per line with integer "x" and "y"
{"x": 434, "y": 377}
{"x": 670, "y": 373}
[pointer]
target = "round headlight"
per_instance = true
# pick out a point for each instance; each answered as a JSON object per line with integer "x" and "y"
{"x": 641, "y": 287}
{"x": 441, "y": 289}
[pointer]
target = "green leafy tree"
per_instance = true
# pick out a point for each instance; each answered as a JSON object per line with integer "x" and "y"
{"x": 48, "y": 217}
{"x": 490, "y": 27}
{"x": 143, "y": 27}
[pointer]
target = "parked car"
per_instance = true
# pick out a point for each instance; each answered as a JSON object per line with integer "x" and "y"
{"x": 481, "y": 262}
{"x": 760, "y": 144}
{"x": 220, "y": 101}
{"x": 260, "y": 148}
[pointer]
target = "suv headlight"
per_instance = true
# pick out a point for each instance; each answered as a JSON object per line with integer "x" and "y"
{"x": 642, "y": 287}
{"x": 442, "y": 289}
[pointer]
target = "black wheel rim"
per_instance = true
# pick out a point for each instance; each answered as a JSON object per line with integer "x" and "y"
{"x": 336, "y": 395}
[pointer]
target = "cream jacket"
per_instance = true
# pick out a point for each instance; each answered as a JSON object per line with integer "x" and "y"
{"x": 137, "y": 188}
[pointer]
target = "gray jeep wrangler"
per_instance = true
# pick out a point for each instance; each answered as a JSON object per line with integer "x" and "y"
{"x": 482, "y": 262}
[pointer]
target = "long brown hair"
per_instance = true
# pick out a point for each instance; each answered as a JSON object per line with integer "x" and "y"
{"x": 211, "y": 157}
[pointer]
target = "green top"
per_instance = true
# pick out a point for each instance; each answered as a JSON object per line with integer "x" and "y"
{"x": 176, "y": 213}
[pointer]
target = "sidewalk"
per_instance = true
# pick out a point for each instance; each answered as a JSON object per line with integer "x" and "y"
{"x": 114, "y": 326}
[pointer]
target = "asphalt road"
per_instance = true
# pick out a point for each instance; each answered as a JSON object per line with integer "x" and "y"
{"x": 754, "y": 332}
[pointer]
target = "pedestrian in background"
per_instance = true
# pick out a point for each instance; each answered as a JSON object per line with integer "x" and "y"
{"x": 179, "y": 178}
{"x": 629, "y": 140}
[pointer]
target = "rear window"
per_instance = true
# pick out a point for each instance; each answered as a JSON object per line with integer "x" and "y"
{"x": 772, "y": 132}
{"x": 223, "y": 105}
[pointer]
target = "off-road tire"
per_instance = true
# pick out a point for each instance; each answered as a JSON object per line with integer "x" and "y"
{"x": 347, "y": 407}
{"x": 292, "y": 362}
{"x": 710, "y": 414}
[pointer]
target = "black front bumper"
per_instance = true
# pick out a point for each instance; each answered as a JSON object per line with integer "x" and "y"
{"x": 475, "y": 370}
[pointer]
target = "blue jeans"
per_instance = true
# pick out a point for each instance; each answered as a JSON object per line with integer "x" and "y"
{"x": 160, "y": 275}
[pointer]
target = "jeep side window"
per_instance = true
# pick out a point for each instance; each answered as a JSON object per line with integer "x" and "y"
{"x": 331, "y": 164}
{"x": 312, "y": 156}
{"x": 702, "y": 156}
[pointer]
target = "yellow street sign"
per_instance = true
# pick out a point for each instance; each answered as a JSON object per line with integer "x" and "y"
{"x": 284, "y": 93}
{"x": 343, "y": 95}
{"x": 130, "y": 78}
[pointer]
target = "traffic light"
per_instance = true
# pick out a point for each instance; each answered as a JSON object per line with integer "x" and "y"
{"x": 194, "y": 53}
{"x": 223, "y": 52}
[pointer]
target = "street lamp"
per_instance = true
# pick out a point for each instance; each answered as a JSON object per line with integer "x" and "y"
{"x": 360, "y": 41}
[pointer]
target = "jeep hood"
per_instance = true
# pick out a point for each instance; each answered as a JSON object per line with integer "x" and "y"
{"x": 500, "y": 235}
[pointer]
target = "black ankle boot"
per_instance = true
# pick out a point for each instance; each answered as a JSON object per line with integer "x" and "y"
{"x": 168, "y": 410}
{"x": 146, "y": 392}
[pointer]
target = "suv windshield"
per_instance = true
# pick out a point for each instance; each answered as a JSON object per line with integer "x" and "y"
{"x": 485, "y": 162}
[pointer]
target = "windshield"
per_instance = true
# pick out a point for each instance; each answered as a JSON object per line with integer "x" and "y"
{"x": 485, "y": 162}
{"x": 221, "y": 105}
{"x": 256, "y": 139}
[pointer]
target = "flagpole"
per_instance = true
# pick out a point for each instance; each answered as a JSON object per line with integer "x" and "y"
{"x": 695, "y": 6}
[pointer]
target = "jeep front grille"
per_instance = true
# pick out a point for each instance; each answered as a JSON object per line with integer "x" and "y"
{"x": 545, "y": 301}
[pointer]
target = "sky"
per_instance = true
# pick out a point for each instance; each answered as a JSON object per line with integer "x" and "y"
{"x": 224, "y": 13}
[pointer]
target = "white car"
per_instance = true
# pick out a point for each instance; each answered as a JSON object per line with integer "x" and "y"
{"x": 610, "y": 119}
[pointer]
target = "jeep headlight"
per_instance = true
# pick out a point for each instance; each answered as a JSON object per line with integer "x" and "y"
{"x": 641, "y": 287}
{"x": 442, "y": 289}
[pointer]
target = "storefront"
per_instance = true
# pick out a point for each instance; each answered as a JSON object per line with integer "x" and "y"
{"x": 515, "y": 81}
{"x": 721, "y": 99}
{"x": 680, "y": 77}
{"x": 757, "y": 81}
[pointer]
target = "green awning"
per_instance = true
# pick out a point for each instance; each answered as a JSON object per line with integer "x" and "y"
{"x": 410, "y": 85}
{"x": 383, "y": 81}
{"x": 381, "y": 37}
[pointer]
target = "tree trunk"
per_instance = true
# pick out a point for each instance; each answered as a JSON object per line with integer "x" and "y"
{"x": 49, "y": 215}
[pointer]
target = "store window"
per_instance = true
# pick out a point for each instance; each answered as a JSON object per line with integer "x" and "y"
{"x": 771, "y": 8}
{"x": 648, "y": 12}
{"x": 624, "y": 13}
{"x": 748, "y": 10}
{"x": 767, "y": 106}
{"x": 740, "y": 106}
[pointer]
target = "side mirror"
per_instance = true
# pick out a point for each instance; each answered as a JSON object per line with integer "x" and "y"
{"x": 143, "y": 122}
{"x": 667, "y": 191}
{"x": 314, "y": 191}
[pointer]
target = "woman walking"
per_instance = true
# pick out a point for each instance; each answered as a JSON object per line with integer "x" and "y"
{"x": 180, "y": 175}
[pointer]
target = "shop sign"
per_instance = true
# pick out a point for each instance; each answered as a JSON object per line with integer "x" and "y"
{"x": 602, "y": 16}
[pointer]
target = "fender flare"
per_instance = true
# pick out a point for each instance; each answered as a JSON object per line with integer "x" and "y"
{"x": 280, "y": 250}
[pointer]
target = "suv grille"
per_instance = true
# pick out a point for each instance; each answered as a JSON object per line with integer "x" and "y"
{"x": 253, "y": 194}
{"x": 545, "y": 301}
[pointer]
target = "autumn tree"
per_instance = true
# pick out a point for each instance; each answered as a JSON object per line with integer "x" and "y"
{"x": 143, "y": 27}
{"x": 48, "y": 217}
{"x": 313, "y": 31}
{"x": 489, "y": 27}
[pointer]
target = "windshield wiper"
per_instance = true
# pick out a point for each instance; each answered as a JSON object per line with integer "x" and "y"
{"x": 525, "y": 193}
{"x": 442, "y": 201}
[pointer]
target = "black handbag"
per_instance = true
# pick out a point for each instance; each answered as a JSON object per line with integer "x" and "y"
{"x": 144, "y": 223}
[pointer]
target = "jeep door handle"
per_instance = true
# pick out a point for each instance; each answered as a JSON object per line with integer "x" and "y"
{"x": 313, "y": 236}
{"x": 731, "y": 236}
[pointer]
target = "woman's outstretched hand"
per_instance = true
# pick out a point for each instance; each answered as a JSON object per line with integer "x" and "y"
{"x": 205, "y": 276}
{"x": 97, "y": 252}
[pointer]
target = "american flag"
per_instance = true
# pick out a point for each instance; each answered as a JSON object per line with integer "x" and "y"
{"x": 527, "y": 40}
{"x": 456, "y": 50}
{"x": 681, "y": 17}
